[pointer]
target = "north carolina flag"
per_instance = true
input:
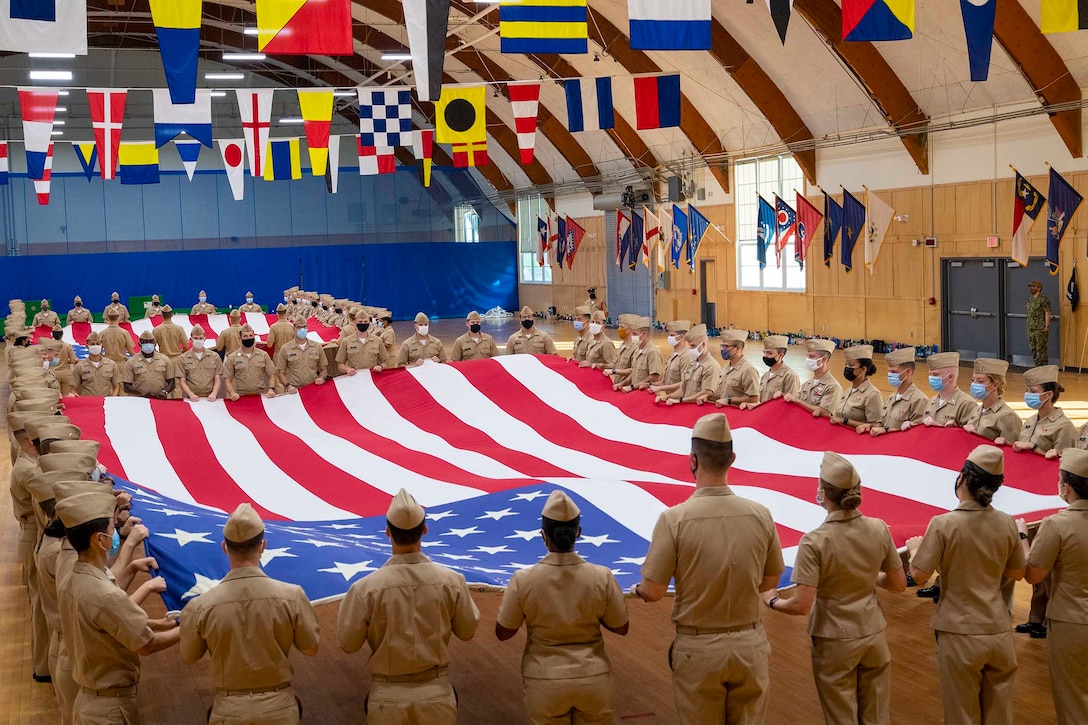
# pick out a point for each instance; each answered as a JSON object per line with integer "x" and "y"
{"x": 177, "y": 26}
{"x": 469, "y": 154}
{"x": 657, "y": 101}
{"x": 374, "y": 160}
{"x": 41, "y": 186}
{"x": 43, "y": 26}
{"x": 316, "y": 105}
{"x": 543, "y": 26}
{"x": 589, "y": 104}
{"x": 255, "y": 110}
{"x": 1027, "y": 204}
{"x": 233, "y": 164}
{"x": 302, "y": 27}
{"x": 669, "y": 24}
{"x": 139, "y": 162}
{"x": 874, "y": 20}
{"x": 107, "y": 116}
{"x": 189, "y": 151}
{"x": 525, "y": 103}
{"x": 3, "y": 163}
{"x": 87, "y": 153}
{"x": 423, "y": 147}
{"x": 283, "y": 161}
{"x": 808, "y": 218}
{"x": 39, "y": 107}
{"x": 173, "y": 119}
{"x": 1063, "y": 16}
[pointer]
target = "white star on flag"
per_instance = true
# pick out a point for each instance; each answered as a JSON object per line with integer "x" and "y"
{"x": 617, "y": 572}
{"x": 515, "y": 565}
{"x": 598, "y": 540}
{"x": 526, "y": 535}
{"x": 462, "y": 533}
{"x": 202, "y": 584}
{"x": 269, "y": 554}
{"x": 636, "y": 560}
{"x": 430, "y": 544}
{"x": 343, "y": 526}
{"x": 497, "y": 515}
{"x": 492, "y": 549}
{"x": 440, "y": 515}
{"x": 174, "y": 512}
{"x": 485, "y": 570}
{"x": 349, "y": 570}
{"x": 458, "y": 557}
{"x": 532, "y": 496}
{"x": 369, "y": 537}
{"x": 185, "y": 537}
{"x": 318, "y": 544}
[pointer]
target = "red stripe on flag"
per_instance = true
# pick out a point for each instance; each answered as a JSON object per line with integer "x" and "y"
{"x": 202, "y": 320}
{"x": 90, "y": 415}
{"x": 647, "y": 106}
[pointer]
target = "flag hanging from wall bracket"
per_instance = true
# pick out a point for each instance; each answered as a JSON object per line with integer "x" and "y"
{"x": 1062, "y": 203}
{"x": 1026, "y": 206}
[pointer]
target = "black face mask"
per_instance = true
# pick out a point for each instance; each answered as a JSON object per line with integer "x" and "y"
{"x": 474, "y": 328}
{"x": 769, "y": 361}
{"x": 850, "y": 374}
{"x": 79, "y": 304}
{"x": 25, "y": 342}
{"x": 58, "y": 335}
{"x": 593, "y": 296}
{"x": 362, "y": 326}
{"x": 114, "y": 302}
{"x": 315, "y": 303}
{"x": 339, "y": 311}
{"x": 527, "y": 324}
{"x": 250, "y": 342}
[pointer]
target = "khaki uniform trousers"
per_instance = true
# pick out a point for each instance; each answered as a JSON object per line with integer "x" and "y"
{"x": 39, "y": 626}
{"x": 277, "y": 707}
{"x": 977, "y": 672}
{"x": 107, "y": 709}
{"x": 66, "y": 689}
{"x": 1067, "y": 643}
{"x": 853, "y": 679}
{"x": 721, "y": 677}
{"x": 583, "y": 701}
{"x": 429, "y": 702}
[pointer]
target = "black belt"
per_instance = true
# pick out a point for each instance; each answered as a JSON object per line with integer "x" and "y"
{"x": 252, "y": 690}
{"x": 432, "y": 674}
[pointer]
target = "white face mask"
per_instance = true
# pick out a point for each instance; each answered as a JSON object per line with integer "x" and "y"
{"x": 673, "y": 340}
{"x": 695, "y": 352}
{"x": 422, "y": 330}
{"x": 94, "y": 349}
{"x": 202, "y": 298}
{"x": 198, "y": 344}
{"x": 595, "y": 328}
{"x": 812, "y": 364}
{"x": 249, "y": 299}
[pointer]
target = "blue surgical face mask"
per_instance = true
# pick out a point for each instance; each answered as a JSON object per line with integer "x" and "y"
{"x": 54, "y": 362}
{"x": 202, "y": 298}
{"x": 116, "y": 542}
{"x": 1033, "y": 400}
{"x": 978, "y": 391}
{"x": 249, "y": 299}
{"x": 894, "y": 380}
{"x": 936, "y": 382}
{"x": 300, "y": 334}
{"x": 579, "y": 325}
{"x": 147, "y": 348}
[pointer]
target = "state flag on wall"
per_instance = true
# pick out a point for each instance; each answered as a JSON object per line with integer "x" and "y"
{"x": 173, "y": 119}
{"x": 978, "y": 26}
{"x": 255, "y": 110}
{"x": 808, "y": 218}
{"x": 107, "y": 116}
{"x": 316, "y": 105}
{"x": 575, "y": 232}
{"x": 39, "y": 108}
{"x": 657, "y": 101}
{"x": 525, "y": 103}
{"x": 785, "y": 227}
{"x": 638, "y": 232}
{"x": 139, "y": 163}
{"x": 233, "y": 164}
{"x": 1063, "y": 16}
{"x": 679, "y": 234}
{"x": 460, "y": 115}
{"x": 303, "y": 27}
{"x": 44, "y": 26}
{"x": 561, "y": 240}
{"x": 1060, "y": 208}
{"x": 541, "y": 240}
{"x": 427, "y": 23}
{"x": 876, "y": 20}
{"x": 374, "y": 160}
{"x": 853, "y": 224}
{"x": 589, "y": 104}
{"x": 878, "y": 219}
{"x": 283, "y": 160}
{"x": 623, "y": 237}
{"x": 189, "y": 151}
{"x": 4, "y": 163}
{"x": 177, "y": 26}
{"x": 543, "y": 26}
{"x": 699, "y": 225}
{"x": 42, "y": 185}
{"x": 833, "y": 214}
{"x": 1026, "y": 206}
{"x": 670, "y": 25}
{"x": 766, "y": 224}
{"x": 87, "y": 154}
{"x": 651, "y": 234}
{"x": 469, "y": 154}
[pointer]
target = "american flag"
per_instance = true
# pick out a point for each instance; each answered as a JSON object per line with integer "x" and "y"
{"x": 480, "y": 444}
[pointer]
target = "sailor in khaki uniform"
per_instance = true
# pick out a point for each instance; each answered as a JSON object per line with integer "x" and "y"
{"x": 529, "y": 339}
{"x": 720, "y": 656}
{"x": 96, "y": 375}
{"x": 950, "y": 407}
{"x": 679, "y": 360}
{"x": 249, "y": 371}
{"x": 105, "y": 632}
{"x": 45, "y": 318}
{"x": 384, "y": 318}
{"x": 117, "y": 342}
{"x": 45, "y": 561}
{"x": 248, "y": 624}
{"x": 820, "y": 394}
{"x": 64, "y": 357}
{"x": 280, "y": 332}
{"x": 200, "y": 371}
{"x": 229, "y": 340}
{"x": 421, "y": 346}
{"x": 646, "y": 363}
{"x": 362, "y": 351}
{"x": 601, "y": 352}
{"x": 594, "y": 304}
{"x": 739, "y": 380}
{"x": 474, "y": 345}
{"x": 582, "y": 316}
{"x": 202, "y": 306}
{"x": 563, "y": 602}
{"x": 406, "y": 611}
{"x": 838, "y": 568}
{"x": 301, "y": 361}
{"x": 861, "y": 404}
{"x": 992, "y": 418}
{"x": 149, "y": 374}
{"x": 250, "y": 305}
{"x": 154, "y": 309}
{"x": 1058, "y": 547}
{"x": 1048, "y": 431}
{"x": 780, "y": 379}
{"x": 702, "y": 376}
{"x": 975, "y": 547}
{"x": 905, "y": 406}
{"x": 115, "y": 306}
{"x": 78, "y": 313}
{"x": 170, "y": 336}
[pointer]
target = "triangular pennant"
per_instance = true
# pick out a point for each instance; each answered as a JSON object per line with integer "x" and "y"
{"x": 173, "y": 119}
{"x": 332, "y": 173}
{"x": 3, "y": 163}
{"x": 978, "y": 26}
{"x": 427, "y": 22}
{"x": 780, "y": 14}
{"x": 41, "y": 186}
{"x": 233, "y": 159}
{"x": 177, "y": 25}
{"x": 107, "y": 114}
{"x": 423, "y": 145}
{"x": 316, "y": 105}
{"x": 87, "y": 153}
{"x": 525, "y": 103}
{"x": 39, "y": 108}
{"x": 255, "y": 109}
{"x": 189, "y": 151}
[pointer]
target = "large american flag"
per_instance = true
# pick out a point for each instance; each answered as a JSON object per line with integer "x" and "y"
{"x": 480, "y": 444}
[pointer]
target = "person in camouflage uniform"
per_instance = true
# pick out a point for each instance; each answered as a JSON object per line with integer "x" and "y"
{"x": 1038, "y": 323}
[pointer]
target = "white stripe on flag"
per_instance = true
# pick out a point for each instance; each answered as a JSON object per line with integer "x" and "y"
{"x": 257, "y": 321}
{"x": 130, "y": 428}
{"x": 630, "y": 505}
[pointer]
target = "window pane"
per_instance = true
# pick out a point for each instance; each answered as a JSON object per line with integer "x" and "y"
{"x": 777, "y": 175}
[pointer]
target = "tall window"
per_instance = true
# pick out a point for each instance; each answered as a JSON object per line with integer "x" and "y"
{"x": 775, "y": 175}
{"x": 530, "y": 209}
{"x": 466, "y": 223}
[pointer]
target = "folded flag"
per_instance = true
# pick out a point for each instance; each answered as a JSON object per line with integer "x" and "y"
{"x": 978, "y": 25}
{"x": 233, "y": 160}
{"x": 543, "y": 26}
{"x": 427, "y": 23}
{"x": 302, "y": 27}
{"x": 41, "y": 186}
{"x": 385, "y": 116}
{"x": 638, "y": 230}
{"x": 1072, "y": 291}
{"x": 4, "y": 163}
{"x": 1063, "y": 16}
{"x": 283, "y": 161}
{"x": 766, "y": 224}
{"x": 853, "y": 223}
{"x": 833, "y": 214}
{"x": 423, "y": 147}
{"x": 781, "y": 10}
{"x": 680, "y": 233}
{"x": 107, "y": 115}
{"x": 469, "y": 154}
{"x": 669, "y": 25}
{"x": 460, "y": 114}
{"x": 44, "y": 26}
{"x": 173, "y": 119}
{"x": 589, "y": 104}
{"x": 139, "y": 162}
{"x": 623, "y": 237}
{"x": 189, "y": 151}
{"x": 657, "y": 101}
{"x": 808, "y": 218}
{"x": 575, "y": 233}
{"x": 255, "y": 110}
{"x": 87, "y": 154}
{"x": 39, "y": 108}
{"x": 699, "y": 225}
{"x": 374, "y": 160}
{"x": 316, "y": 105}
{"x": 1026, "y": 206}
{"x": 785, "y": 227}
{"x": 876, "y": 20}
{"x": 541, "y": 240}
{"x": 177, "y": 26}
{"x": 1060, "y": 207}
{"x": 525, "y": 103}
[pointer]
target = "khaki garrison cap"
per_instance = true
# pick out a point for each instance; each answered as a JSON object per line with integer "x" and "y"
{"x": 776, "y": 342}
{"x": 713, "y": 428}
{"x": 57, "y": 327}
{"x": 860, "y": 352}
{"x": 1040, "y": 375}
{"x": 815, "y": 343}
{"x": 84, "y": 507}
{"x": 421, "y": 319}
{"x": 527, "y": 310}
{"x": 559, "y": 507}
{"x": 1075, "y": 461}
{"x": 991, "y": 366}
{"x": 244, "y": 524}
{"x": 87, "y": 447}
{"x": 41, "y": 489}
{"x": 473, "y": 316}
{"x": 583, "y": 311}
{"x": 77, "y": 299}
{"x": 73, "y": 486}
{"x": 147, "y": 336}
{"x": 943, "y": 360}
{"x": 678, "y": 326}
{"x": 57, "y": 432}
{"x": 198, "y": 329}
{"x": 626, "y": 317}
{"x": 696, "y": 333}
{"x": 838, "y": 472}
{"x": 404, "y": 512}
{"x": 42, "y": 405}
{"x": 898, "y": 357}
{"x": 54, "y": 461}
{"x": 281, "y": 308}
{"x": 235, "y": 315}
{"x": 989, "y": 459}
{"x": 598, "y": 316}
{"x": 167, "y": 311}
{"x": 37, "y": 394}
{"x": 17, "y": 421}
{"x": 734, "y": 335}
{"x": 639, "y": 323}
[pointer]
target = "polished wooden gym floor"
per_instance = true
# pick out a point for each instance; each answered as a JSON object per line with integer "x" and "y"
{"x": 486, "y": 672}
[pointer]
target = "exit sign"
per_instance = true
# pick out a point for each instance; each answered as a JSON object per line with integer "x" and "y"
{"x": 991, "y": 242}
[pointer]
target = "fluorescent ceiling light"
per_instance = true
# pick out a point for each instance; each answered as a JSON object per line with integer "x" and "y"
{"x": 57, "y": 133}
{"x": 243, "y": 56}
{"x": 396, "y": 56}
{"x": 58, "y": 123}
{"x": 218, "y": 94}
{"x": 343, "y": 94}
{"x": 52, "y": 55}
{"x": 62, "y": 93}
{"x": 224, "y": 76}
{"x": 290, "y": 121}
{"x": 50, "y": 75}
{"x": 249, "y": 31}
{"x": 61, "y": 109}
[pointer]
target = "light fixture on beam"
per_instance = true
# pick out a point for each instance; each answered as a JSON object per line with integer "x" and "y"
{"x": 218, "y": 94}
{"x": 249, "y": 31}
{"x": 243, "y": 56}
{"x": 224, "y": 76}
{"x": 50, "y": 75}
{"x": 291, "y": 121}
{"x": 62, "y": 109}
{"x": 396, "y": 56}
{"x": 343, "y": 94}
{"x": 52, "y": 55}
{"x": 57, "y": 133}
{"x": 58, "y": 122}
{"x": 62, "y": 93}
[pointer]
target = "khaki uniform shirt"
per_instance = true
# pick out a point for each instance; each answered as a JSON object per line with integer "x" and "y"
{"x": 406, "y": 611}
{"x": 202, "y": 308}
{"x": 414, "y": 349}
{"x": 78, "y": 314}
{"x": 646, "y": 362}
{"x": 280, "y": 333}
{"x": 581, "y": 345}
{"x": 250, "y": 307}
{"x": 103, "y": 629}
{"x": 121, "y": 310}
{"x": 533, "y": 342}
{"x": 480, "y": 348}
{"x": 862, "y": 404}
{"x": 959, "y": 407}
{"x": 362, "y": 353}
{"x": 1054, "y": 431}
{"x": 45, "y": 558}
{"x": 45, "y": 318}
{"x": 89, "y": 379}
{"x": 624, "y": 354}
{"x": 301, "y": 365}
{"x": 717, "y": 577}
{"x": 230, "y": 340}
{"x": 675, "y": 366}
{"x": 738, "y": 379}
{"x": 389, "y": 339}
{"x": 22, "y": 503}
{"x": 153, "y": 310}
{"x": 148, "y": 376}
{"x": 898, "y": 409}
{"x": 249, "y": 372}
{"x": 971, "y": 547}
{"x": 563, "y": 601}
{"x": 1061, "y": 544}
{"x": 1000, "y": 421}
{"x": 841, "y": 560}
{"x": 67, "y": 357}
{"x": 248, "y": 623}
{"x": 823, "y": 392}
{"x": 115, "y": 343}
{"x": 700, "y": 377}
{"x": 785, "y": 380}
{"x": 601, "y": 352}
{"x": 171, "y": 339}
{"x": 199, "y": 372}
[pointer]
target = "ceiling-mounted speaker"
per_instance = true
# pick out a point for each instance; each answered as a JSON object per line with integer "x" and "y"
{"x": 676, "y": 189}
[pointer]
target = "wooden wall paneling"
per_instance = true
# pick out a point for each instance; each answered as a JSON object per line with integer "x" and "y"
{"x": 881, "y": 282}
{"x": 851, "y": 284}
{"x": 838, "y": 316}
{"x": 907, "y": 264}
{"x": 894, "y": 320}
{"x": 748, "y": 312}
{"x": 790, "y": 312}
